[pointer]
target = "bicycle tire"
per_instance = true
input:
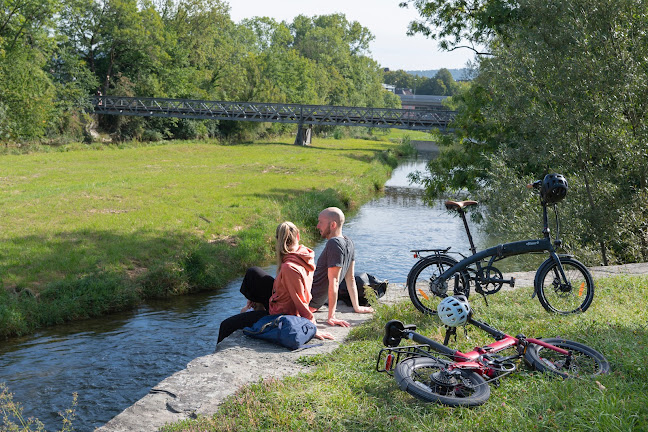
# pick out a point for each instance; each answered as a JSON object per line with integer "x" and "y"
{"x": 585, "y": 361}
{"x": 424, "y": 273}
{"x": 427, "y": 379}
{"x": 565, "y": 298}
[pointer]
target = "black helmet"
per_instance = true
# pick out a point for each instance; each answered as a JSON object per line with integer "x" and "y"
{"x": 554, "y": 188}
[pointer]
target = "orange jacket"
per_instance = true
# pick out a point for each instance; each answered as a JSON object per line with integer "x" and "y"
{"x": 291, "y": 290}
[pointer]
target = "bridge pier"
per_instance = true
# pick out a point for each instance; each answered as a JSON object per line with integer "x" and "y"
{"x": 304, "y": 135}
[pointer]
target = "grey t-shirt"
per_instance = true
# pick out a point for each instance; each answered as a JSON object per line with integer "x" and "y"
{"x": 338, "y": 252}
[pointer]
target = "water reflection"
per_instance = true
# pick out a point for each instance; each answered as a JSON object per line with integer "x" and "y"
{"x": 386, "y": 229}
{"x": 111, "y": 362}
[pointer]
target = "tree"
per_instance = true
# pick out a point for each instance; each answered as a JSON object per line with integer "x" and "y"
{"x": 339, "y": 48}
{"x": 400, "y": 79}
{"x": 26, "y": 22}
{"x": 442, "y": 84}
{"x": 564, "y": 94}
{"x": 26, "y": 91}
{"x": 27, "y": 94}
{"x": 455, "y": 22}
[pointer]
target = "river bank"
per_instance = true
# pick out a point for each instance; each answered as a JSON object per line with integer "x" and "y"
{"x": 199, "y": 389}
{"x": 112, "y": 360}
{"x": 153, "y": 222}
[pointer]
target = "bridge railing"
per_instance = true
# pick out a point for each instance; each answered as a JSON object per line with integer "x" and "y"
{"x": 435, "y": 118}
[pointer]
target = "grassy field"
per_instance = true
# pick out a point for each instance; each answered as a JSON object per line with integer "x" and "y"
{"x": 344, "y": 392}
{"x": 87, "y": 231}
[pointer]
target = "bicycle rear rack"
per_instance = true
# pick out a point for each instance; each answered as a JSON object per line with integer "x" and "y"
{"x": 395, "y": 355}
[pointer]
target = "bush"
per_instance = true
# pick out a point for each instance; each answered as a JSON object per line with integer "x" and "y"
{"x": 151, "y": 136}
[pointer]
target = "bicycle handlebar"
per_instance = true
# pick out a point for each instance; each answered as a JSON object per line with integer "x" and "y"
{"x": 535, "y": 185}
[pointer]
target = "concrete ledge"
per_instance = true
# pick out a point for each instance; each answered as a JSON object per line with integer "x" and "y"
{"x": 207, "y": 381}
{"x": 425, "y": 146}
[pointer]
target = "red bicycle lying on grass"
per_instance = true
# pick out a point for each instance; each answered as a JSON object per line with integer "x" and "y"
{"x": 433, "y": 372}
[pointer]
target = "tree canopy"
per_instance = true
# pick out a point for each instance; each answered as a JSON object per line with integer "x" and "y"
{"x": 442, "y": 84}
{"x": 54, "y": 54}
{"x": 455, "y": 23}
{"x": 564, "y": 91}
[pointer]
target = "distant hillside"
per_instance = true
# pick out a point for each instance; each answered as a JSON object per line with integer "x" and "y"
{"x": 457, "y": 74}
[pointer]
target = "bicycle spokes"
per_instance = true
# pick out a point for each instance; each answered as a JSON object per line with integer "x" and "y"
{"x": 448, "y": 383}
{"x": 425, "y": 286}
{"x": 432, "y": 380}
{"x": 566, "y": 287}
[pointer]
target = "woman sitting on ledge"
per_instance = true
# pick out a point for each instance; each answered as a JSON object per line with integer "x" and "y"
{"x": 288, "y": 294}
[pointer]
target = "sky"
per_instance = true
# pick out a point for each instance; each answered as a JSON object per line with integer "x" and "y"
{"x": 391, "y": 48}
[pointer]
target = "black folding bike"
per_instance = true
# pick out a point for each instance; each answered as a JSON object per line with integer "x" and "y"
{"x": 563, "y": 284}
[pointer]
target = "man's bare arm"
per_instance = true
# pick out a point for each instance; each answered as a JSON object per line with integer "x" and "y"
{"x": 352, "y": 288}
{"x": 333, "y": 284}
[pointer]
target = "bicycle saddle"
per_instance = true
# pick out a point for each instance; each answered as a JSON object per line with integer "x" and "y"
{"x": 459, "y": 205}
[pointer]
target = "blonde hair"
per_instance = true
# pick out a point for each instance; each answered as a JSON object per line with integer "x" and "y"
{"x": 287, "y": 236}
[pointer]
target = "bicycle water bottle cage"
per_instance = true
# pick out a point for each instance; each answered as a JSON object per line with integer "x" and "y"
{"x": 459, "y": 205}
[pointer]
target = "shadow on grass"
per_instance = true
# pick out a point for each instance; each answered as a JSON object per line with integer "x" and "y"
{"x": 303, "y": 209}
{"x": 346, "y": 149}
{"x": 623, "y": 345}
{"x": 310, "y": 146}
{"x": 282, "y": 195}
{"x": 88, "y": 273}
{"x": 76, "y": 252}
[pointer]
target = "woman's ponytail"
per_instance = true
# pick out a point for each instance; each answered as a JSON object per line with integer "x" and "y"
{"x": 287, "y": 237}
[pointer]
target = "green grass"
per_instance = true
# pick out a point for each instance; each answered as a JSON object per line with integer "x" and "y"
{"x": 88, "y": 231}
{"x": 344, "y": 392}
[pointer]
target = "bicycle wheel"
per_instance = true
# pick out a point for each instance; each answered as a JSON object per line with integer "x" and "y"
{"x": 584, "y": 361}
{"x": 428, "y": 379}
{"x": 425, "y": 288}
{"x": 565, "y": 297}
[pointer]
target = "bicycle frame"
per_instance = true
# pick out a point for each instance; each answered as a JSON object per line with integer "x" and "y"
{"x": 504, "y": 250}
{"x": 477, "y": 360}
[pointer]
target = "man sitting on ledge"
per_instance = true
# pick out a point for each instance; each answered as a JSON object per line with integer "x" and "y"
{"x": 336, "y": 261}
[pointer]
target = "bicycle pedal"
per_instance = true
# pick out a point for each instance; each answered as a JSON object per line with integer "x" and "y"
{"x": 512, "y": 282}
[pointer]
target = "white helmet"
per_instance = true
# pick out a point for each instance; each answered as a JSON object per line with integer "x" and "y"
{"x": 454, "y": 310}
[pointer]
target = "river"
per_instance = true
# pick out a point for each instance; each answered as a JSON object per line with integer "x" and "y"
{"x": 113, "y": 361}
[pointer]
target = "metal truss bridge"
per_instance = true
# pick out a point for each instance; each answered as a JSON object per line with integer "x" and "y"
{"x": 420, "y": 119}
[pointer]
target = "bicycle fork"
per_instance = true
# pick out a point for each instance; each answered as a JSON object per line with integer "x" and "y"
{"x": 561, "y": 271}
